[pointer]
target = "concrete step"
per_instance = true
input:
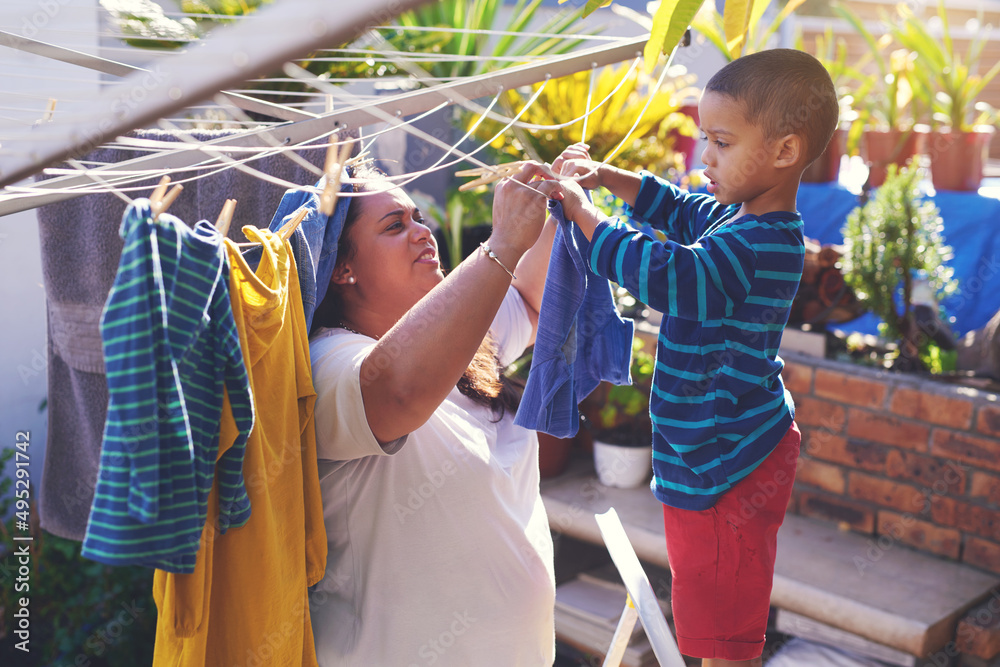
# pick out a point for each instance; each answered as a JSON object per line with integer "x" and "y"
{"x": 871, "y": 587}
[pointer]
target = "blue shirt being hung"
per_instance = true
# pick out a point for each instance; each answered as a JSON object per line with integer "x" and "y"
{"x": 171, "y": 350}
{"x": 581, "y": 338}
{"x": 725, "y": 286}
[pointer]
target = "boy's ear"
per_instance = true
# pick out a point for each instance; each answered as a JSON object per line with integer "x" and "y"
{"x": 789, "y": 150}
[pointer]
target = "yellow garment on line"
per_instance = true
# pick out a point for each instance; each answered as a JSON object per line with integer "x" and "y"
{"x": 246, "y": 602}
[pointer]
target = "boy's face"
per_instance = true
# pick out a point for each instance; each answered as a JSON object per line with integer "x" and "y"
{"x": 739, "y": 161}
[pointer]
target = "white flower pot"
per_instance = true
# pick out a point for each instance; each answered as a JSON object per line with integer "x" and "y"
{"x": 622, "y": 467}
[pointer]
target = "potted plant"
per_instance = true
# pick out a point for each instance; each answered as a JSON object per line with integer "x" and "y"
{"x": 959, "y": 139}
{"x": 618, "y": 417}
{"x": 889, "y": 104}
{"x": 895, "y": 259}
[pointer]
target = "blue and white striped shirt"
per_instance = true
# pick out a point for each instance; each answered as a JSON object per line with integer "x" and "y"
{"x": 725, "y": 286}
{"x": 172, "y": 352}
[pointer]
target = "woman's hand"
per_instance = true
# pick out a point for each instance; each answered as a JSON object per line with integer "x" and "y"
{"x": 519, "y": 212}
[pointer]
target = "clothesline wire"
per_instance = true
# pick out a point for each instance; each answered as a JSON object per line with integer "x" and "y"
{"x": 300, "y": 74}
{"x": 448, "y": 149}
{"x": 590, "y": 94}
{"x": 125, "y": 180}
{"x": 472, "y": 106}
{"x": 94, "y": 176}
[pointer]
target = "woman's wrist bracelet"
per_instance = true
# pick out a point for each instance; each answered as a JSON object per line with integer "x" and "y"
{"x": 492, "y": 255}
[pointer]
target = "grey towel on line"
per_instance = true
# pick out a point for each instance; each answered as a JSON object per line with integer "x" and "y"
{"x": 80, "y": 251}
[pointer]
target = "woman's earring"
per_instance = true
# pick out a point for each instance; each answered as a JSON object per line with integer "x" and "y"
{"x": 350, "y": 279}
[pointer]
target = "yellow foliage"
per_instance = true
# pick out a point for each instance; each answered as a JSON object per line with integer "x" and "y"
{"x": 624, "y": 92}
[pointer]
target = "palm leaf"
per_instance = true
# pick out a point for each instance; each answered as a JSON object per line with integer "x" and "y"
{"x": 671, "y": 20}
{"x": 735, "y": 20}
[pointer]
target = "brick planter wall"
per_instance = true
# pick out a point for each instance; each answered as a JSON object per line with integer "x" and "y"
{"x": 904, "y": 459}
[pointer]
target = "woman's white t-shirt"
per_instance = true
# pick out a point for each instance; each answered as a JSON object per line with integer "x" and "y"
{"x": 439, "y": 551}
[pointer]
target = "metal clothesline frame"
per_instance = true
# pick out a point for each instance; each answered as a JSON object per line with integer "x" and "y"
{"x": 294, "y": 133}
{"x": 234, "y": 53}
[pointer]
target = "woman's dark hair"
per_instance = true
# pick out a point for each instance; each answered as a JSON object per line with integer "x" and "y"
{"x": 483, "y": 381}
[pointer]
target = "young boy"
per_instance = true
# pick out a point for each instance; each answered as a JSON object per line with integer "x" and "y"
{"x": 724, "y": 439}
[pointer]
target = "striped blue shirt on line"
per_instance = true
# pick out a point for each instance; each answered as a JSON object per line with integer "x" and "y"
{"x": 725, "y": 286}
{"x": 171, "y": 351}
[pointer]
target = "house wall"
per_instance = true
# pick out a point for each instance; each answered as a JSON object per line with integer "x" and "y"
{"x": 26, "y": 83}
{"x": 906, "y": 460}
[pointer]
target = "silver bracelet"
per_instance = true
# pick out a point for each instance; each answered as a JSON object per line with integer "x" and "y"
{"x": 492, "y": 255}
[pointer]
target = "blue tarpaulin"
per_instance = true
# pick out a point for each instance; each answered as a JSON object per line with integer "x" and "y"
{"x": 971, "y": 228}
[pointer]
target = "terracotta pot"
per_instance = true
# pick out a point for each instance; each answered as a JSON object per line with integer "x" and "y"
{"x": 882, "y": 148}
{"x": 957, "y": 159}
{"x": 826, "y": 167}
{"x": 553, "y": 455}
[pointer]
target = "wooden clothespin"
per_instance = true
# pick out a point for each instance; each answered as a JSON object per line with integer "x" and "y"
{"x": 488, "y": 175}
{"x": 289, "y": 228}
{"x": 161, "y": 200}
{"x": 226, "y": 216}
{"x": 50, "y": 109}
{"x": 358, "y": 159}
{"x": 335, "y": 160}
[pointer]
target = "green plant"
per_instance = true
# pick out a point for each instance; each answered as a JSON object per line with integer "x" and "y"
{"x": 950, "y": 80}
{"x": 624, "y": 94}
{"x": 740, "y": 31}
{"x": 887, "y": 241}
{"x": 81, "y": 612}
{"x": 737, "y": 27}
{"x": 888, "y": 99}
{"x": 623, "y": 417}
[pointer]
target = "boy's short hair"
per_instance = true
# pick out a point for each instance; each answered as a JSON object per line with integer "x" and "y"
{"x": 783, "y": 91}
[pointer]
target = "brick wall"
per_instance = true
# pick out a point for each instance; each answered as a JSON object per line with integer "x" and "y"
{"x": 890, "y": 454}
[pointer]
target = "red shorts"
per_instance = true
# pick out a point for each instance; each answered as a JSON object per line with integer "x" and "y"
{"x": 722, "y": 560}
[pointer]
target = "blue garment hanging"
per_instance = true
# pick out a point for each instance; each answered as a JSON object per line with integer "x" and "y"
{"x": 581, "y": 338}
{"x": 314, "y": 243}
{"x": 171, "y": 350}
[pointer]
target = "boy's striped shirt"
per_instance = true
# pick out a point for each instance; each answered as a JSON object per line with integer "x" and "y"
{"x": 725, "y": 286}
{"x": 172, "y": 352}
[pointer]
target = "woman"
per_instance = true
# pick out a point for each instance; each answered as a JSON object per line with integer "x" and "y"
{"x": 439, "y": 547}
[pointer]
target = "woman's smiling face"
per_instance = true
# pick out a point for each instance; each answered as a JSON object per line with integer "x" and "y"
{"x": 395, "y": 259}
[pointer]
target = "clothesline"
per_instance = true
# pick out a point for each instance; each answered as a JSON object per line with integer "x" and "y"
{"x": 404, "y": 103}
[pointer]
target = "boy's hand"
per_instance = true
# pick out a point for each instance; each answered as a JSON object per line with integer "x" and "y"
{"x": 575, "y": 161}
{"x": 577, "y": 206}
